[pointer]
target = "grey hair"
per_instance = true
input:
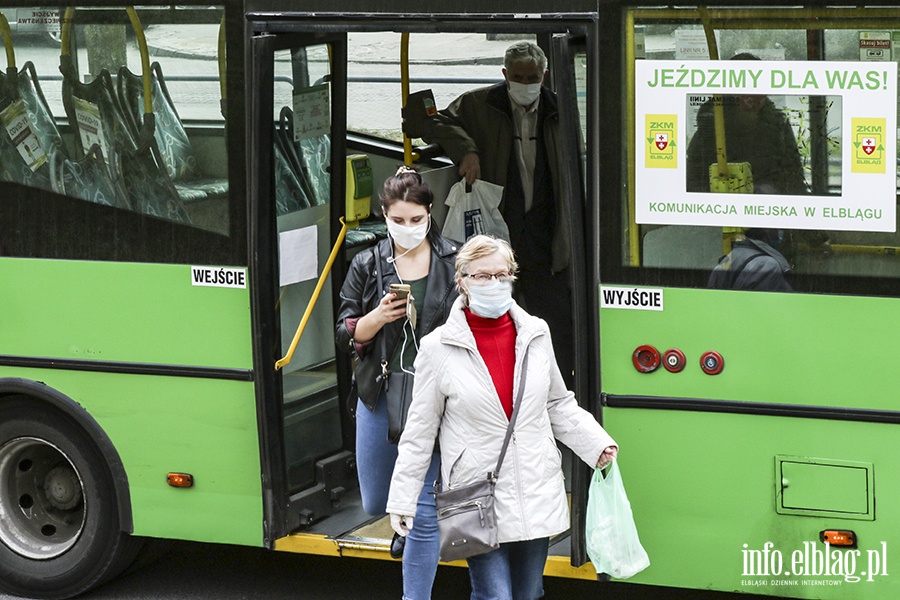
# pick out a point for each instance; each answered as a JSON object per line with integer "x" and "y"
{"x": 525, "y": 52}
{"x": 480, "y": 246}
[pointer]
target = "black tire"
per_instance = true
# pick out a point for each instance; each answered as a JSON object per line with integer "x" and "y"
{"x": 59, "y": 523}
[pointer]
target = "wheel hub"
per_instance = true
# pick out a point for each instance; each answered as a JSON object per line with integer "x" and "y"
{"x": 62, "y": 487}
{"x": 42, "y": 502}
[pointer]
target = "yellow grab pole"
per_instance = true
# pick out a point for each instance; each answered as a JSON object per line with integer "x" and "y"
{"x": 7, "y": 42}
{"x": 66, "y": 32}
{"x": 404, "y": 93}
{"x": 633, "y": 231}
{"x": 221, "y": 58}
{"x": 315, "y": 297}
{"x": 718, "y": 110}
{"x": 145, "y": 59}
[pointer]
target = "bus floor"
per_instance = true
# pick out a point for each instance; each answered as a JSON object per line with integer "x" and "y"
{"x": 351, "y": 532}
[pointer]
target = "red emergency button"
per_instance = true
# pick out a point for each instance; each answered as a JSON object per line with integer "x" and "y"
{"x": 712, "y": 363}
{"x": 646, "y": 358}
{"x": 673, "y": 360}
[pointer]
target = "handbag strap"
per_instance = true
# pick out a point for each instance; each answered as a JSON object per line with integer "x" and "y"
{"x": 512, "y": 418}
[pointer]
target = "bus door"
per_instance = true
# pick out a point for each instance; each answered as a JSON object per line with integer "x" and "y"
{"x": 569, "y": 57}
{"x": 296, "y": 107}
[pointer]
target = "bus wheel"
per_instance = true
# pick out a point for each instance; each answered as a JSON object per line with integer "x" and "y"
{"x": 59, "y": 525}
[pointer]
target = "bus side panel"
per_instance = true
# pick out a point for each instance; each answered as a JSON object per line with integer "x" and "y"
{"x": 778, "y": 348}
{"x": 123, "y": 312}
{"x": 149, "y": 315}
{"x": 705, "y": 485}
{"x": 203, "y": 427}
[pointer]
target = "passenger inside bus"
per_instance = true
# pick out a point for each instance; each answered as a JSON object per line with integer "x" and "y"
{"x": 754, "y": 263}
{"x": 507, "y": 134}
{"x": 756, "y": 132}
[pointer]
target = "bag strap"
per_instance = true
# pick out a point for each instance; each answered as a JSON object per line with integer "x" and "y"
{"x": 512, "y": 418}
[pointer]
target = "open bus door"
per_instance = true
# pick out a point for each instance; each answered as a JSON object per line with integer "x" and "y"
{"x": 298, "y": 82}
{"x": 569, "y": 57}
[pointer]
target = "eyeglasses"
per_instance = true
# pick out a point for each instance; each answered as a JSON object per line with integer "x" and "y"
{"x": 481, "y": 278}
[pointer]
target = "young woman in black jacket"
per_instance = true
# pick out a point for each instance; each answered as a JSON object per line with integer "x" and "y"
{"x": 373, "y": 322}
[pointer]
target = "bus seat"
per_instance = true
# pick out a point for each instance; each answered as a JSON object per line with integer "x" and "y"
{"x": 175, "y": 149}
{"x": 682, "y": 247}
{"x": 289, "y": 193}
{"x": 23, "y": 86}
{"x": 99, "y": 119}
{"x": 38, "y": 110}
{"x": 309, "y": 156}
{"x": 87, "y": 178}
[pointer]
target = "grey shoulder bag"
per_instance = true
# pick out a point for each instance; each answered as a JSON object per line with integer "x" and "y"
{"x": 467, "y": 521}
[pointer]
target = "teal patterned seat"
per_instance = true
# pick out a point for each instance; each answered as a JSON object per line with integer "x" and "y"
{"x": 87, "y": 178}
{"x": 309, "y": 157}
{"x": 133, "y": 158}
{"x": 21, "y": 97}
{"x": 175, "y": 149}
{"x": 289, "y": 193}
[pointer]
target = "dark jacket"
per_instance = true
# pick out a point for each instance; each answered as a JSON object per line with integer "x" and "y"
{"x": 751, "y": 265}
{"x": 359, "y": 296}
{"x": 481, "y": 121}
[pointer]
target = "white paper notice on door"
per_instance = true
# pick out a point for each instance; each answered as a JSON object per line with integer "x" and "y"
{"x": 299, "y": 256}
{"x": 312, "y": 112}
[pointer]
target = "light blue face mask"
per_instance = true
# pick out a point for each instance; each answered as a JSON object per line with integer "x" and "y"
{"x": 491, "y": 300}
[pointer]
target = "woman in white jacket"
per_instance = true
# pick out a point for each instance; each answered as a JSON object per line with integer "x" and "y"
{"x": 466, "y": 374}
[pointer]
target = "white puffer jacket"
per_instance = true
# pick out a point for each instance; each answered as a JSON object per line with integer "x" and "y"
{"x": 454, "y": 393}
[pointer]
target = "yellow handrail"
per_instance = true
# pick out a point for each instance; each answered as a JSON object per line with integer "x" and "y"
{"x": 7, "y": 42}
{"x": 633, "y": 231}
{"x": 718, "y": 109}
{"x": 64, "y": 43}
{"x": 315, "y": 297}
{"x": 66, "y": 33}
{"x": 221, "y": 58}
{"x": 145, "y": 59}
{"x": 404, "y": 94}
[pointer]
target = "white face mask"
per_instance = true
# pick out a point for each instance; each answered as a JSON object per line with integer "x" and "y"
{"x": 524, "y": 94}
{"x": 491, "y": 300}
{"x": 408, "y": 237}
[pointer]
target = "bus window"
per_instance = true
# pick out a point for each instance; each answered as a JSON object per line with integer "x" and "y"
{"x": 92, "y": 164}
{"x": 447, "y": 63}
{"x": 787, "y": 137}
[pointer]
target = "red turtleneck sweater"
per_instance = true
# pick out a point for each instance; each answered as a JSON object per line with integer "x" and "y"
{"x": 496, "y": 342}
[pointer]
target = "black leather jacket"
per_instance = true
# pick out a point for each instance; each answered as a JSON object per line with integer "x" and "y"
{"x": 359, "y": 296}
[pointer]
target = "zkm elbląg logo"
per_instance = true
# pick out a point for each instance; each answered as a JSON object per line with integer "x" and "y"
{"x": 814, "y": 564}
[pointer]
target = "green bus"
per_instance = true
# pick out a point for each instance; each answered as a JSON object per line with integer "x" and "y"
{"x": 182, "y": 188}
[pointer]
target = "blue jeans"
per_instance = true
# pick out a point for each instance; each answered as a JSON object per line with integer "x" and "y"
{"x": 375, "y": 458}
{"x": 514, "y": 571}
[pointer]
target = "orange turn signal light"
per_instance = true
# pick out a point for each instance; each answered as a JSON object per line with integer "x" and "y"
{"x": 838, "y": 537}
{"x": 180, "y": 480}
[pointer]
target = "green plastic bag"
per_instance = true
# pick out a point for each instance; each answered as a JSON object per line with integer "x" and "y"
{"x": 611, "y": 537}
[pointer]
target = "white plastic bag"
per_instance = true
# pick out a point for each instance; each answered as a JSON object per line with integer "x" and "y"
{"x": 611, "y": 537}
{"x": 475, "y": 212}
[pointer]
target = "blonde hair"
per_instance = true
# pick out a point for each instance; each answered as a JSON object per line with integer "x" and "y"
{"x": 480, "y": 246}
